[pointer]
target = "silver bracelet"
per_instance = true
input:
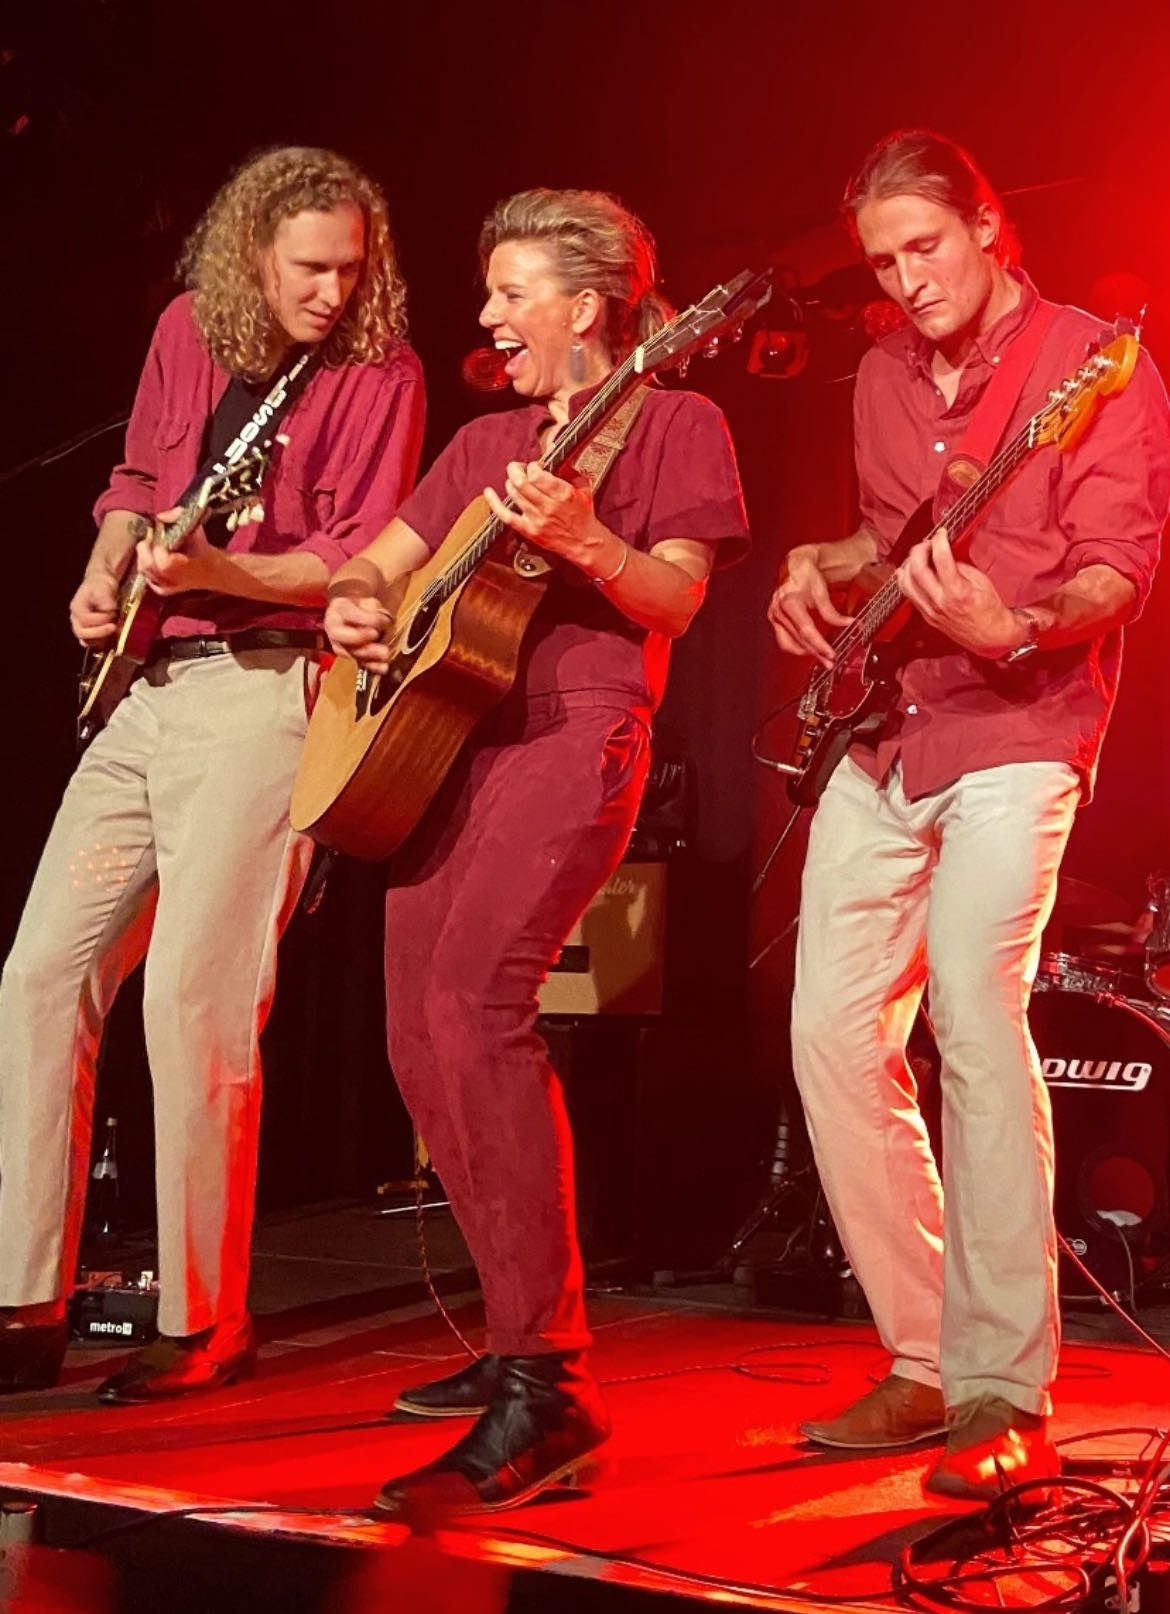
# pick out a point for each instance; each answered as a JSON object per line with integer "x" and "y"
{"x": 600, "y": 582}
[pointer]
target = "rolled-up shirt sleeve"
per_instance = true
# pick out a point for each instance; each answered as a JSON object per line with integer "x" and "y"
{"x": 1114, "y": 494}
{"x": 372, "y": 464}
{"x": 697, "y": 492}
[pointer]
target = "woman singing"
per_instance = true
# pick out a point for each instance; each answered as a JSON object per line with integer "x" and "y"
{"x": 539, "y": 808}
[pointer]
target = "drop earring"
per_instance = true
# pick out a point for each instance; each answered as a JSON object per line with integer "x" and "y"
{"x": 577, "y": 363}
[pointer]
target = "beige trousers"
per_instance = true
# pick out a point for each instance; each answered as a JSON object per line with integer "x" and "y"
{"x": 953, "y": 889}
{"x": 172, "y": 841}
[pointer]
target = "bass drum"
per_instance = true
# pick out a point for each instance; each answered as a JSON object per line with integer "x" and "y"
{"x": 1106, "y": 1062}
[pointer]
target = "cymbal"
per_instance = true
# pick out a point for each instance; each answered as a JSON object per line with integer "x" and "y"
{"x": 1080, "y": 902}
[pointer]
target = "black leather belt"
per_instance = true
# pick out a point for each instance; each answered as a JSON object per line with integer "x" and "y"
{"x": 203, "y": 644}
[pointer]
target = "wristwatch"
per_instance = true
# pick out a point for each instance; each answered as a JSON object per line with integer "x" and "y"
{"x": 1031, "y": 643}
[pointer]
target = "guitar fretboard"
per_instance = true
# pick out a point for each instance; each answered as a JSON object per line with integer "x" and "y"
{"x": 567, "y": 442}
{"x": 960, "y": 518}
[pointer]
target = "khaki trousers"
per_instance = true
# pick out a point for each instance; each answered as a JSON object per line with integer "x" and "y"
{"x": 951, "y": 890}
{"x": 172, "y": 841}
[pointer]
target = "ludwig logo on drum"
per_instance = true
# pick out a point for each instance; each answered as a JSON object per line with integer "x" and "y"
{"x": 1115, "y": 1074}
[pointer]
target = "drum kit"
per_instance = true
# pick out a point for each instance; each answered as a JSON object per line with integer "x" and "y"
{"x": 1100, "y": 1018}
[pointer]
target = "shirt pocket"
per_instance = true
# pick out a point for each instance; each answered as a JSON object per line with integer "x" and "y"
{"x": 305, "y": 503}
{"x": 1027, "y": 503}
{"x": 625, "y": 758}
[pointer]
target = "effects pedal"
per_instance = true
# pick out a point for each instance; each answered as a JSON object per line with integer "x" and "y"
{"x": 109, "y": 1306}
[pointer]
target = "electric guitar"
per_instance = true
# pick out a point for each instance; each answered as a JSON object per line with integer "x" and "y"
{"x": 380, "y": 745}
{"x": 106, "y": 675}
{"x": 852, "y": 699}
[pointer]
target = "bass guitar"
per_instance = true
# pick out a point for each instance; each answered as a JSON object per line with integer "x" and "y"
{"x": 852, "y": 699}
{"x": 106, "y": 675}
{"x": 380, "y": 745}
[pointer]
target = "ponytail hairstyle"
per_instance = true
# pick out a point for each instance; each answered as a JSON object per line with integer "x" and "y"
{"x": 918, "y": 162}
{"x": 596, "y": 244}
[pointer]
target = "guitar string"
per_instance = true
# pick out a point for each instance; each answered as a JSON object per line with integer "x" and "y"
{"x": 172, "y": 533}
{"x": 889, "y": 597}
{"x": 564, "y": 445}
{"x": 558, "y": 451}
{"x": 958, "y": 519}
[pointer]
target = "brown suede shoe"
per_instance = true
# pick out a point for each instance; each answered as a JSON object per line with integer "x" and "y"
{"x": 896, "y": 1412}
{"x": 991, "y": 1446}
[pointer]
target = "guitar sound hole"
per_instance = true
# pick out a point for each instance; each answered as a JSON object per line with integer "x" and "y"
{"x": 419, "y": 629}
{"x": 388, "y": 684}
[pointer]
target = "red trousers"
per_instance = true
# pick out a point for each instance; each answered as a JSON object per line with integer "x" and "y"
{"x": 529, "y": 826}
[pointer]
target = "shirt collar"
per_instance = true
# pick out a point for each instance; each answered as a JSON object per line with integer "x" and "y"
{"x": 988, "y": 346}
{"x": 542, "y": 415}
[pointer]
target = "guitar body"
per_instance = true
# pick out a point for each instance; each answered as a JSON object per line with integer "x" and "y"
{"x": 374, "y": 758}
{"x": 379, "y": 746}
{"x": 854, "y": 699}
{"x": 107, "y": 675}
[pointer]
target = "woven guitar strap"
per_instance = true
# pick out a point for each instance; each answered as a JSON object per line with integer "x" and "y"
{"x": 596, "y": 459}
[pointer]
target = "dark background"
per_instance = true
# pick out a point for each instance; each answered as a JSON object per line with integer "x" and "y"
{"x": 731, "y": 128}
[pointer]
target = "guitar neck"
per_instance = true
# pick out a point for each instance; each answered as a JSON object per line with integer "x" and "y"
{"x": 168, "y": 534}
{"x": 959, "y": 522}
{"x": 569, "y": 441}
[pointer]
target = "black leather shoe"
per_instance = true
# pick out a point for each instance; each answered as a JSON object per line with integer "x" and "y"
{"x": 465, "y": 1394}
{"x": 172, "y": 1367}
{"x": 540, "y": 1428}
{"x": 31, "y": 1356}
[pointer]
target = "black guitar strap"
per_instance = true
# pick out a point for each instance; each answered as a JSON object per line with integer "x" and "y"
{"x": 240, "y": 420}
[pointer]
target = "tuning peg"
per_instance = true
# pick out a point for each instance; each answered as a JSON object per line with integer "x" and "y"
{"x": 712, "y": 349}
{"x": 282, "y": 439}
{"x": 256, "y": 512}
{"x": 233, "y": 520}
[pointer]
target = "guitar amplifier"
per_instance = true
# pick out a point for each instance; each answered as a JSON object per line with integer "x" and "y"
{"x": 613, "y": 960}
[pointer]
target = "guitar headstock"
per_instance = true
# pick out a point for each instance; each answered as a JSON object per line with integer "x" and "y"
{"x": 233, "y": 490}
{"x": 723, "y": 309}
{"x": 1070, "y": 406}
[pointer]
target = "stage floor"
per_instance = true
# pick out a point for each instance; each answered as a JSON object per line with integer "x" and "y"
{"x": 706, "y": 1486}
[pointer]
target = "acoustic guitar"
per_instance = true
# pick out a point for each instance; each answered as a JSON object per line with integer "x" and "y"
{"x": 380, "y": 745}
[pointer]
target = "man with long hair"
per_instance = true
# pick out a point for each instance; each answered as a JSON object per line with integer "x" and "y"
{"x": 933, "y": 854}
{"x": 172, "y": 840}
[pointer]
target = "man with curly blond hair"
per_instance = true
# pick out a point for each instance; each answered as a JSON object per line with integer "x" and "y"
{"x": 172, "y": 841}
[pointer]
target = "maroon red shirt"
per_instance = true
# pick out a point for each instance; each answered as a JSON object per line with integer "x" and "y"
{"x": 1103, "y": 501}
{"x": 354, "y": 435}
{"x": 675, "y": 477}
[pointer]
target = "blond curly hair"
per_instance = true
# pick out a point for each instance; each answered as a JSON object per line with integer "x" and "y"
{"x": 221, "y": 261}
{"x": 596, "y": 243}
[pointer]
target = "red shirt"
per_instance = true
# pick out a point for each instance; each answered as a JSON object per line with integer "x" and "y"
{"x": 675, "y": 477}
{"x": 354, "y": 434}
{"x": 1105, "y": 500}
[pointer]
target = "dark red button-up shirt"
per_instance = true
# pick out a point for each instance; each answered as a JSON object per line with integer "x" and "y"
{"x": 354, "y": 436}
{"x": 675, "y": 477}
{"x": 1104, "y": 501}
